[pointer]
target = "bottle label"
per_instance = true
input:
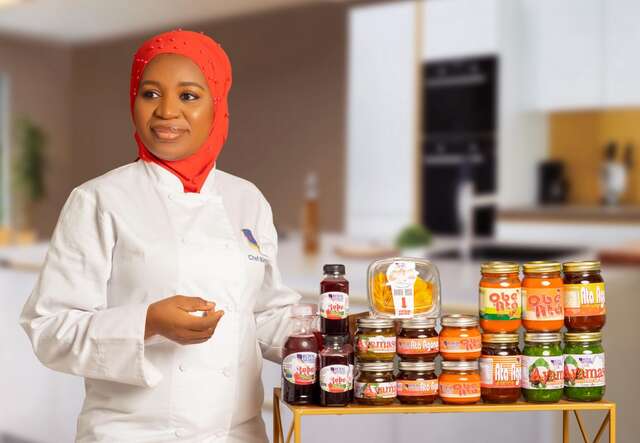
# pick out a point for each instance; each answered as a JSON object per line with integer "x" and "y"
{"x": 459, "y": 345}
{"x": 336, "y": 378}
{"x": 542, "y": 372}
{"x": 584, "y": 370}
{"x": 401, "y": 277}
{"x": 584, "y": 300}
{"x": 417, "y": 388}
{"x": 300, "y": 368}
{"x": 334, "y": 305}
{"x": 497, "y": 371}
{"x": 459, "y": 389}
{"x": 413, "y": 346}
{"x": 376, "y": 344}
{"x": 542, "y": 304}
{"x": 375, "y": 390}
{"x": 500, "y": 303}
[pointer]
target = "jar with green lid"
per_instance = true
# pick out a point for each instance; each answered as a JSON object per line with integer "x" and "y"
{"x": 584, "y": 370}
{"x": 375, "y": 339}
{"x": 375, "y": 384}
{"x": 542, "y": 367}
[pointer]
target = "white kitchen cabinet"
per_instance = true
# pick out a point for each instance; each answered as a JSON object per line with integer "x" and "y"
{"x": 622, "y": 53}
{"x": 564, "y": 43}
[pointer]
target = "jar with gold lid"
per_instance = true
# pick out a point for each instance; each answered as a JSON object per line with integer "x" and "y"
{"x": 584, "y": 296}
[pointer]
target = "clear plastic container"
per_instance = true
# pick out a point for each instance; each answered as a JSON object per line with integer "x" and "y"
{"x": 403, "y": 287}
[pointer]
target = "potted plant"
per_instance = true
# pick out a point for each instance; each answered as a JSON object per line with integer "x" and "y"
{"x": 413, "y": 241}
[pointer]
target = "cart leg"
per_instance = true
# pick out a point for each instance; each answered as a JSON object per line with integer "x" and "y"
{"x": 606, "y": 420}
{"x": 585, "y": 437}
{"x": 565, "y": 427}
{"x": 612, "y": 424}
{"x": 297, "y": 432}
{"x": 277, "y": 426}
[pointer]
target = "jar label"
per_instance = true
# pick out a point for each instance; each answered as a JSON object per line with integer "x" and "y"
{"x": 336, "y": 378}
{"x": 417, "y": 388}
{"x": 376, "y": 344}
{"x": 401, "y": 276}
{"x": 542, "y": 372}
{"x": 584, "y": 370}
{"x": 459, "y": 345}
{"x": 375, "y": 390}
{"x": 500, "y": 303}
{"x": 334, "y": 305}
{"x": 584, "y": 300}
{"x": 300, "y": 368}
{"x": 497, "y": 371}
{"x": 459, "y": 389}
{"x": 542, "y": 304}
{"x": 414, "y": 346}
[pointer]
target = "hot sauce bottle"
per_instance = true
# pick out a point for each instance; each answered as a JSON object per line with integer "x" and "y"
{"x": 300, "y": 358}
{"x": 334, "y": 301}
{"x": 336, "y": 371}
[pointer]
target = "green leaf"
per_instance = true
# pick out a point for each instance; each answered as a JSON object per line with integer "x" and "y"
{"x": 413, "y": 236}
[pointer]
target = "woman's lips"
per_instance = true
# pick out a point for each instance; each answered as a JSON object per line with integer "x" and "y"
{"x": 164, "y": 133}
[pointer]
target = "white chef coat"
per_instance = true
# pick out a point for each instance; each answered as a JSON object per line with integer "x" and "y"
{"x": 132, "y": 237}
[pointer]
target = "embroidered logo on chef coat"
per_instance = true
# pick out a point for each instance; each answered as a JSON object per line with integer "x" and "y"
{"x": 253, "y": 244}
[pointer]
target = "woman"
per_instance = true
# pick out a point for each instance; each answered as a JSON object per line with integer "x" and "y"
{"x": 160, "y": 286}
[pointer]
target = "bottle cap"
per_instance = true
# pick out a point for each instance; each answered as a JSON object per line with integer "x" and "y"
{"x": 540, "y": 267}
{"x": 500, "y": 267}
{"x": 581, "y": 266}
{"x": 459, "y": 320}
{"x": 334, "y": 269}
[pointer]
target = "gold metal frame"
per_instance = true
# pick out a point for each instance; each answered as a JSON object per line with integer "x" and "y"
{"x": 295, "y": 429}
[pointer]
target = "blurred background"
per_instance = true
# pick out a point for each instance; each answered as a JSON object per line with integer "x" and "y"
{"x": 459, "y": 130}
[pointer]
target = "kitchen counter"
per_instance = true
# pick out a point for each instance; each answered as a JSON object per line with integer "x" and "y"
{"x": 573, "y": 214}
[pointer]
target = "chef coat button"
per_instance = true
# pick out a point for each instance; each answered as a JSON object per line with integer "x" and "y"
{"x": 181, "y": 368}
{"x": 227, "y": 372}
{"x": 180, "y": 433}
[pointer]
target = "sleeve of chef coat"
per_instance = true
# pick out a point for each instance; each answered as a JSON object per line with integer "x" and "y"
{"x": 66, "y": 317}
{"x": 272, "y": 309}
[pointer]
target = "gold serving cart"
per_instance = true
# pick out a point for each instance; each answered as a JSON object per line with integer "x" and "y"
{"x": 567, "y": 407}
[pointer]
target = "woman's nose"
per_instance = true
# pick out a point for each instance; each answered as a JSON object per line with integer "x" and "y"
{"x": 168, "y": 108}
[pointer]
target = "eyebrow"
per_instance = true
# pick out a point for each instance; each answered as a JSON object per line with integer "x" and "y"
{"x": 153, "y": 82}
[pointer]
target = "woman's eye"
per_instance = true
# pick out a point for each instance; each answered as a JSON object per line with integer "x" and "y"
{"x": 150, "y": 94}
{"x": 188, "y": 96}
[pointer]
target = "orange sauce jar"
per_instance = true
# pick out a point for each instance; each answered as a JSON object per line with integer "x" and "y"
{"x": 459, "y": 382}
{"x": 500, "y": 297}
{"x": 460, "y": 337}
{"x": 542, "y": 297}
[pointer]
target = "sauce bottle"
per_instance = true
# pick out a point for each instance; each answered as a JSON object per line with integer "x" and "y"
{"x": 334, "y": 301}
{"x": 300, "y": 358}
{"x": 336, "y": 371}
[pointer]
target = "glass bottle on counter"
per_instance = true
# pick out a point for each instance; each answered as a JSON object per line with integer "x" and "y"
{"x": 375, "y": 384}
{"x": 417, "y": 383}
{"x": 460, "y": 337}
{"x": 459, "y": 382}
{"x": 500, "y": 368}
{"x": 542, "y": 297}
{"x": 336, "y": 371}
{"x": 542, "y": 367}
{"x": 584, "y": 296}
{"x": 334, "y": 301}
{"x": 418, "y": 339}
{"x": 584, "y": 368}
{"x": 300, "y": 357}
{"x": 500, "y": 297}
{"x": 375, "y": 339}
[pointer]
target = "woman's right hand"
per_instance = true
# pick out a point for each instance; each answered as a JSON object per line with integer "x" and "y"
{"x": 171, "y": 319}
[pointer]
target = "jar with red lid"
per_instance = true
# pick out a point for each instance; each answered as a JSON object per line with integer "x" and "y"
{"x": 542, "y": 297}
{"x": 584, "y": 296}
{"x": 418, "y": 339}
{"x": 459, "y": 382}
{"x": 460, "y": 337}
{"x": 500, "y": 368}
{"x": 417, "y": 383}
{"x": 500, "y": 297}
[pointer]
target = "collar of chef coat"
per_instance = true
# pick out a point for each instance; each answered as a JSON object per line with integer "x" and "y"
{"x": 168, "y": 182}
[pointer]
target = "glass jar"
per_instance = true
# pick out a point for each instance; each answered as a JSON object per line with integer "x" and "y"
{"x": 300, "y": 358}
{"x": 336, "y": 371}
{"x": 375, "y": 339}
{"x": 500, "y": 368}
{"x": 459, "y": 382}
{"x": 542, "y": 367}
{"x": 460, "y": 337}
{"x": 584, "y": 298}
{"x": 375, "y": 384}
{"x": 500, "y": 297}
{"x": 334, "y": 301}
{"x": 584, "y": 370}
{"x": 542, "y": 301}
{"x": 417, "y": 383}
{"x": 418, "y": 339}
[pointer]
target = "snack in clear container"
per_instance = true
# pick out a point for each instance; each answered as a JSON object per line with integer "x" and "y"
{"x": 403, "y": 287}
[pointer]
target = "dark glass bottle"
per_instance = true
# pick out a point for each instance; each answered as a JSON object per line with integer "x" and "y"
{"x": 334, "y": 301}
{"x": 336, "y": 371}
{"x": 300, "y": 358}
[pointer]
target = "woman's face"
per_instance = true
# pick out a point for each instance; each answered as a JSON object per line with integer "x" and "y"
{"x": 173, "y": 111}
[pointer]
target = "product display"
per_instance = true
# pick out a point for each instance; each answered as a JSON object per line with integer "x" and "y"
{"x": 375, "y": 339}
{"x": 460, "y": 337}
{"x": 459, "y": 382}
{"x": 500, "y": 368}
{"x": 542, "y": 368}
{"x": 417, "y": 383}
{"x": 542, "y": 297}
{"x": 375, "y": 384}
{"x": 418, "y": 339}
{"x": 336, "y": 372}
{"x": 584, "y": 296}
{"x": 334, "y": 301}
{"x": 300, "y": 357}
{"x": 500, "y": 298}
{"x": 584, "y": 369}
{"x": 404, "y": 288}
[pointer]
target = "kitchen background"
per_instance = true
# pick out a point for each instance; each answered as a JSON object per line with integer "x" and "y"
{"x": 510, "y": 129}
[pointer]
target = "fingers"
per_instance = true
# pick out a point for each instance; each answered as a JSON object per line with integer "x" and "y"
{"x": 187, "y": 337}
{"x": 191, "y": 304}
{"x": 203, "y": 323}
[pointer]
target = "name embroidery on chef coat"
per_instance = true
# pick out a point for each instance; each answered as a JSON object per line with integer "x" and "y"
{"x": 253, "y": 244}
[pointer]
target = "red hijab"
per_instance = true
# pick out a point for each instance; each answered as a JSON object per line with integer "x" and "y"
{"x": 214, "y": 64}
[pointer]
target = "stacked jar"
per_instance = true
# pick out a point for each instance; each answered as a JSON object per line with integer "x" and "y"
{"x": 585, "y": 315}
{"x": 417, "y": 348}
{"x": 500, "y": 305}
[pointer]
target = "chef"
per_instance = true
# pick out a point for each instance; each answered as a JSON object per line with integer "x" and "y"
{"x": 161, "y": 286}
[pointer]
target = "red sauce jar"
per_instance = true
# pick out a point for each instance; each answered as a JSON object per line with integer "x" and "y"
{"x": 584, "y": 296}
{"x": 418, "y": 339}
{"x": 459, "y": 382}
{"x": 500, "y": 368}
{"x": 417, "y": 383}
